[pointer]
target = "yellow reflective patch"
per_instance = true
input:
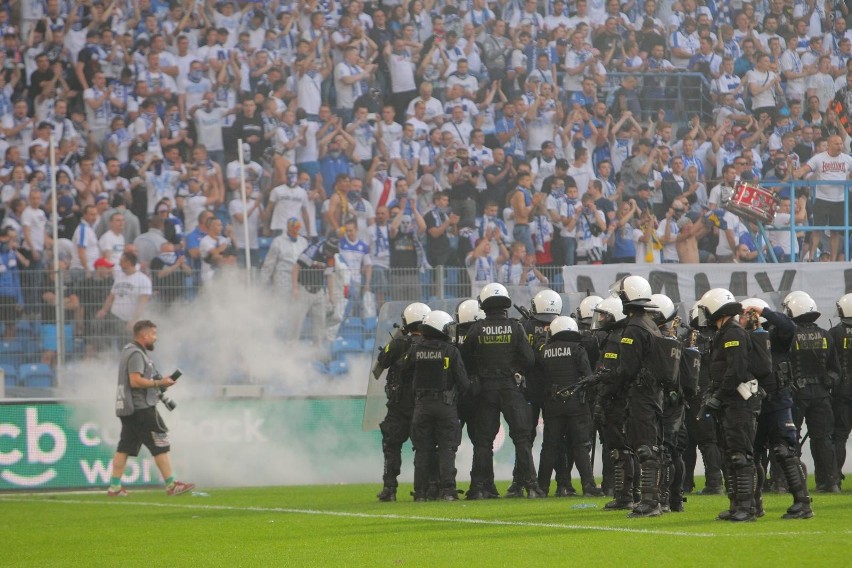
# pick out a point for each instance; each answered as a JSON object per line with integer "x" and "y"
{"x": 387, "y": 347}
{"x": 627, "y": 340}
{"x": 610, "y": 355}
{"x": 446, "y": 362}
{"x": 732, "y": 344}
{"x": 824, "y": 343}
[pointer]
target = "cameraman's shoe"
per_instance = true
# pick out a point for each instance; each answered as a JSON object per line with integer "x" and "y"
{"x": 120, "y": 492}
{"x": 179, "y": 488}
{"x": 387, "y": 494}
{"x": 515, "y": 490}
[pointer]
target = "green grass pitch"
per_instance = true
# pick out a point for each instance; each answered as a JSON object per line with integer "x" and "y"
{"x": 345, "y": 526}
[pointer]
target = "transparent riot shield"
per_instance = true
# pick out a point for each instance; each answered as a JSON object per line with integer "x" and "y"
{"x": 390, "y": 314}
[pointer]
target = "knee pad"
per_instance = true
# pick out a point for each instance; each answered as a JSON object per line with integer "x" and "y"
{"x": 738, "y": 460}
{"x": 784, "y": 451}
{"x": 644, "y": 453}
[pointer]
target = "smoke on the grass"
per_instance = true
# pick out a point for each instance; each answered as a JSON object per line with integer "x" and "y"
{"x": 233, "y": 335}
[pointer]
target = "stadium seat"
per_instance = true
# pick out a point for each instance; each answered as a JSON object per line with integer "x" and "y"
{"x": 338, "y": 368}
{"x": 36, "y": 375}
{"x": 48, "y": 337}
{"x": 369, "y": 344}
{"x": 11, "y": 352}
{"x": 341, "y": 346}
{"x": 10, "y": 376}
{"x": 263, "y": 244}
{"x": 352, "y": 330}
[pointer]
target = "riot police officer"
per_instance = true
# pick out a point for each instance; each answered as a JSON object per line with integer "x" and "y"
{"x": 611, "y": 404}
{"x": 545, "y": 306}
{"x": 674, "y": 429}
{"x": 497, "y": 351}
{"x": 396, "y": 427}
{"x": 732, "y": 394}
{"x": 644, "y": 365}
{"x": 563, "y": 362}
{"x": 701, "y": 427}
{"x": 841, "y": 394}
{"x": 438, "y": 373}
{"x": 776, "y": 430}
{"x": 815, "y": 369}
{"x": 589, "y": 340}
{"x": 468, "y": 312}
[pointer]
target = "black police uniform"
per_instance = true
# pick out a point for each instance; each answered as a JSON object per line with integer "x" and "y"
{"x": 534, "y": 392}
{"x": 589, "y": 341}
{"x": 674, "y": 428}
{"x": 701, "y": 429}
{"x": 729, "y": 367}
{"x": 841, "y": 394}
{"x": 496, "y": 348}
{"x": 396, "y": 427}
{"x": 611, "y": 405}
{"x": 638, "y": 359}
{"x": 467, "y": 405}
{"x": 776, "y": 430}
{"x": 562, "y": 362}
{"x": 437, "y": 371}
{"x": 814, "y": 366}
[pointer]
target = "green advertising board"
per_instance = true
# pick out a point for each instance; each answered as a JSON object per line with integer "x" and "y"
{"x": 215, "y": 442}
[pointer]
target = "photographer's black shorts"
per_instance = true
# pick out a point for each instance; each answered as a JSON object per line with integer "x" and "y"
{"x": 143, "y": 427}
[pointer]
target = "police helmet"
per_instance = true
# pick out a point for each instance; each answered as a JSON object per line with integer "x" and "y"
{"x": 437, "y": 322}
{"x": 546, "y": 305}
{"x": 791, "y": 296}
{"x": 563, "y": 325}
{"x": 413, "y": 315}
{"x": 696, "y": 316}
{"x": 634, "y": 291}
{"x": 468, "y": 312}
{"x": 802, "y": 309}
{"x": 607, "y": 313}
{"x": 844, "y": 309}
{"x": 586, "y": 309}
{"x": 665, "y": 309}
{"x": 756, "y": 304}
{"x": 494, "y": 296}
{"x": 717, "y": 303}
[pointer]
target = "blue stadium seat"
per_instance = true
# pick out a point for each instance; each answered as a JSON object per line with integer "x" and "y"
{"x": 36, "y": 375}
{"x": 340, "y": 346}
{"x": 338, "y": 368}
{"x": 263, "y": 244}
{"x": 48, "y": 337}
{"x": 352, "y": 330}
{"x": 370, "y": 324}
{"x": 11, "y": 352}
{"x": 369, "y": 344}
{"x": 10, "y": 375}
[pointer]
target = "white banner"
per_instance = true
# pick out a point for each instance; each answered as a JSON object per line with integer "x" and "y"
{"x": 826, "y": 282}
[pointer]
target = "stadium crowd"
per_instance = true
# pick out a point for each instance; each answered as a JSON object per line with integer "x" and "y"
{"x": 508, "y": 138}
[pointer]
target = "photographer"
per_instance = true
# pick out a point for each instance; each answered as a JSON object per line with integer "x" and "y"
{"x": 139, "y": 387}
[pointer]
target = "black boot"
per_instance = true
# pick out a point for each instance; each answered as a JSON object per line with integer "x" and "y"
{"x": 649, "y": 506}
{"x": 623, "y": 495}
{"x": 387, "y": 494}
{"x": 475, "y": 493}
{"x": 796, "y": 481}
{"x": 449, "y": 494}
{"x": 744, "y": 505}
{"x": 534, "y": 491}
{"x": 729, "y": 478}
{"x": 516, "y": 490}
{"x": 665, "y": 486}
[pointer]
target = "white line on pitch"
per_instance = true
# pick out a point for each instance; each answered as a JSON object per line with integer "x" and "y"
{"x": 394, "y": 517}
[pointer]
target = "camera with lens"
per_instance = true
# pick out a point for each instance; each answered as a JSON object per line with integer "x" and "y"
{"x": 167, "y": 402}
